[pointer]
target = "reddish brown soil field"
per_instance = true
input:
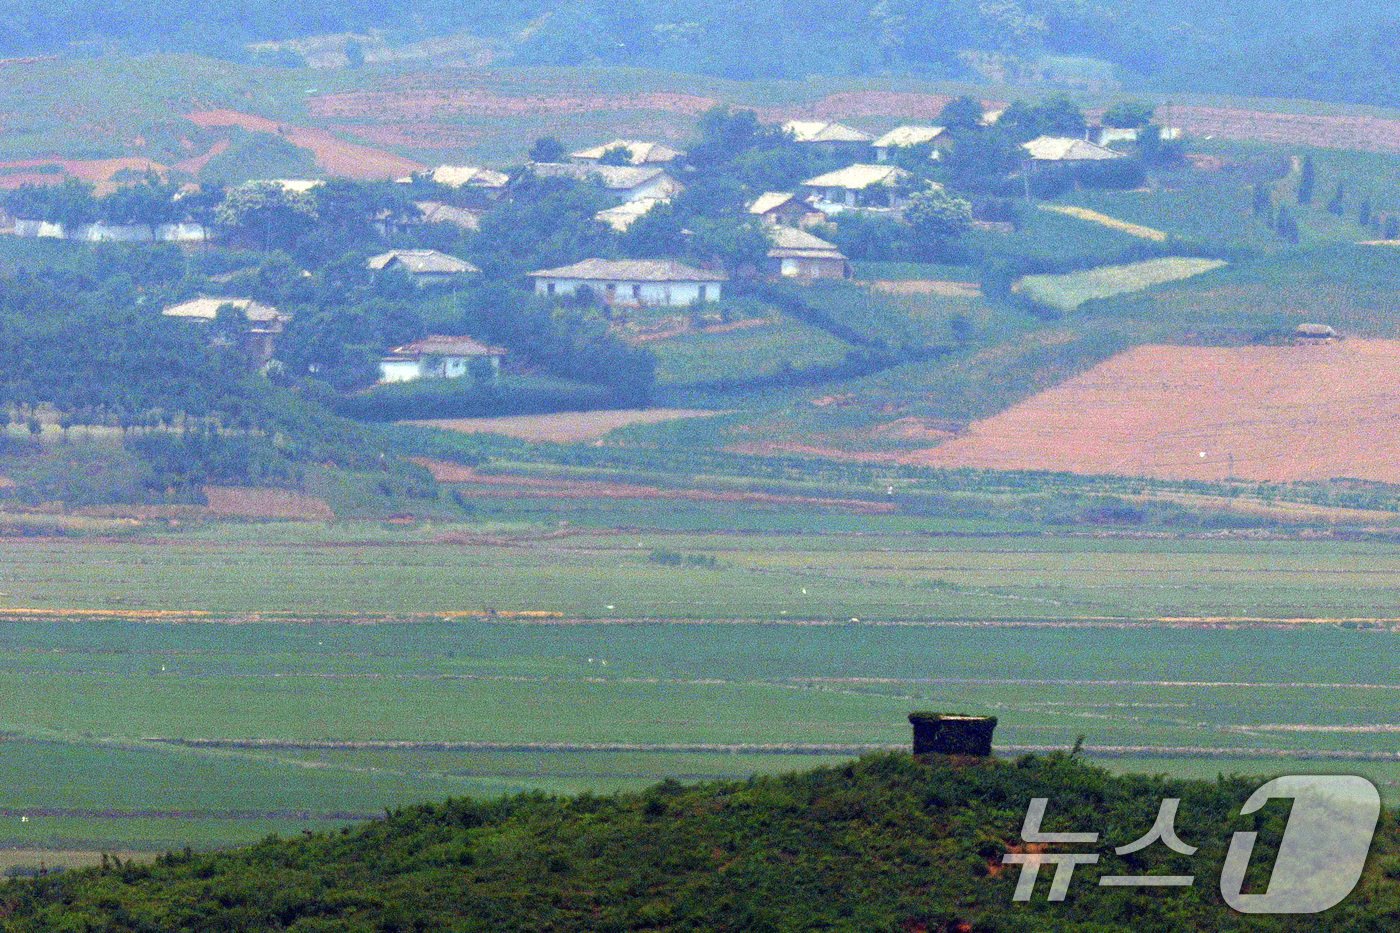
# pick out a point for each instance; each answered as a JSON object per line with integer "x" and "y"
{"x": 569, "y": 427}
{"x": 1373, "y": 134}
{"x": 1276, "y": 414}
{"x": 333, "y": 154}
{"x": 93, "y": 170}
{"x": 240, "y": 502}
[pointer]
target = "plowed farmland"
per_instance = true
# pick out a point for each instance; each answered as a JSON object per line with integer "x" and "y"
{"x": 1280, "y": 413}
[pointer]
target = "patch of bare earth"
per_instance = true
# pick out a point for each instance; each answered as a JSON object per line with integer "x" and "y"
{"x": 496, "y": 485}
{"x": 1373, "y": 134}
{"x": 1273, "y": 414}
{"x": 333, "y": 154}
{"x": 250, "y": 502}
{"x": 569, "y": 427}
{"x": 940, "y": 287}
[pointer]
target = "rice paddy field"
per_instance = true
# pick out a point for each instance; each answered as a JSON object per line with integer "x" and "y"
{"x": 207, "y": 685}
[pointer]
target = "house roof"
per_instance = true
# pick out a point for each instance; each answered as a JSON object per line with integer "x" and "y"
{"x": 420, "y": 261}
{"x": 207, "y": 309}
{"x": 990, "y": 117}
{"x": 613, "y": 177}
{"x": 435, "y": 212}
{"x": 909, "y": 136}
{"x": 858, "y": 177}
{"x": 443, "y": 345}
{"x": 632, "y": 270}
{"x": 293, "y": 185}
{"x": 638, "y": 152}
{"x": 474, "y": 176}
{"x": 791, "y": 242}
{"x": 1315, "y": 330}
{"x": 771, "y": 201}
{"x": 625, "y": 214}
{"x": 1067, "y": 149}
{"x": 820, "y": 131}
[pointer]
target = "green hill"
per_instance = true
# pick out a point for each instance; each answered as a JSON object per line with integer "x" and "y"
{"x": 889, "y": 842}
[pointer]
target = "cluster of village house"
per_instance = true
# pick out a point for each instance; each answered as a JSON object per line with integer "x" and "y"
{"x": 871, "y": 183}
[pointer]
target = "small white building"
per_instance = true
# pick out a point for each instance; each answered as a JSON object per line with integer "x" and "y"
{"x": 424, "y": 266}
{"x": 633, "y": 282}
{"x": 907, "y": 137}
{"x": 438, "y": 357}
{"x": 801, "y": 255}
{"x": 464, "y": 176}
{"x": 112, "y": 233}
{"x": 638, "y": 153}
{"x": 622, "y": 182}
{"x": 859, "y": 187}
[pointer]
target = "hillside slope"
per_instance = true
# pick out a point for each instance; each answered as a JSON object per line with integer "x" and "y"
{"x": 889, "y": 842}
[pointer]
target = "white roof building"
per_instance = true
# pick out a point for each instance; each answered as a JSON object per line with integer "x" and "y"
{"x": 626, "y": 213}
{"x": 437, "y": 356}
{"x": 425, "y": 266}
{"x": 820, "y": 131}
{"x": 1067, "y": 149}
{"x": 859, "y": 186}
{"x": 625, "y": 182}
{"x": 638, "y": 152}
{"x": 634, "y": 282}
{"x": 464, "y": 176}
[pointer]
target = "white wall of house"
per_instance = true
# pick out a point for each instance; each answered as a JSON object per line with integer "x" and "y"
{"x": 400, "y": 370}
{"x": 111, "y": 233}
{"x": 811, "y": 268}
{"x": 440, "y": 367}
{"x": 657, "y": 294}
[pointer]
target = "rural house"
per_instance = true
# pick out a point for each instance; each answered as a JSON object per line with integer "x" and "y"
{"x": 781, "y": 209}
{"x": 1313, "y": 331}
{"x": 1067, "y": 149}
{"x": 799, "y": 254}
{"x": 622, "y": 182}
{"x": 626, "y": 213}
{"x": 907, "y": 137}
{"x": 638, "y": 153}
{"x": 831, "y": 138}
{"x": 474, "y": 184}
{"x": 435, "y": 212}
{"x": 441, "y": 357}
{"x": 633, "y": 282}
{"x": 424, "y": 266}
{"x": 258, "y": 335}
{"x": 859, "y": 187}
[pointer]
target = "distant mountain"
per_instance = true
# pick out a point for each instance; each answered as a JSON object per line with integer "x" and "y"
{"x": 888, "y": 843}
{"x": 1343, "y": 50}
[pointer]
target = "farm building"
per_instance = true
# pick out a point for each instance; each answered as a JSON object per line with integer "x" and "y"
{"x": 439, "y": 357}
{"x": 112, "y": 233}
{"x": 626, "y": 213}
{"x": 465, "y": 176}
{"x": 1067, "y": 149}
{"x": 623, "y": 182}
{"x": 799, "y": 254}
{"x": 906, "y": 137}
{"x": 638, "y": 153}
{"x": 424, "y": 266}
{"x": 831, "y": 138}
{"x": 1315, "y": 332}
{"x": 633, "y": 282}
{"x": 859, "y": 187}
{"x": 781, "y": 209}
{"x": 1108, "y": 135}
{"x": 263, "y": 326}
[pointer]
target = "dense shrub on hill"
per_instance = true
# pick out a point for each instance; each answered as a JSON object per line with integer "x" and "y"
{"x": 889, "y": 842}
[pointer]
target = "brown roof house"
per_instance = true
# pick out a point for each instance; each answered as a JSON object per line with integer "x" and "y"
{"x": 782, "y": 209}
{"x": 441, "y": 357}
{"x": 633, "y": 282}
{"x": 798, "y": 254}
{"x": 263, "y": 323}
{"x": 424, "y": 266}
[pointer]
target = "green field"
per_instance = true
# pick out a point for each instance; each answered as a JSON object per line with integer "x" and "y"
{"x": 1068, "y": 291}
{"x": 282, "y": 710}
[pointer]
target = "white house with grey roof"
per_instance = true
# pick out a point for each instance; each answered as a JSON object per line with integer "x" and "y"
{"x": 832, "y": 138}
{"x": 424, "y": 266}
{"x": 440, "y": 356}
{"x": 633, "y": 282}
{"x": 858, "y": 187}
{"x": 907, "y": 137}
{"x": 622, "y": 182}
{"x": 1067, "y": 149}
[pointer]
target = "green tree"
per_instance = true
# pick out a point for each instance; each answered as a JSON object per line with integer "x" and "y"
{"x": 547, "y": 149}
{"x": 265, "y": 214}
{"x": 961, "y": 113}
{"x": 937, "y": 219}
{"x": 1307, "y": 180}
{"x": 616, "y": 155}
{"x": 1129, "y": 115}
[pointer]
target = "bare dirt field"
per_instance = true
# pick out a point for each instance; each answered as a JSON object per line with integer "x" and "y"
{"x": 494, "y": 485}
{"x": 1278, "y": 414}
{"x": 335, "y": 155}
{"x": 568, "y": 427}
{"x": 1372, "y": 134}
{"x": 941, "y": 287}
{"x": 240, "y": 502}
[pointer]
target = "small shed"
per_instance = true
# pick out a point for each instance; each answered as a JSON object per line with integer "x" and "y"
{"x": 798, "y": 254}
